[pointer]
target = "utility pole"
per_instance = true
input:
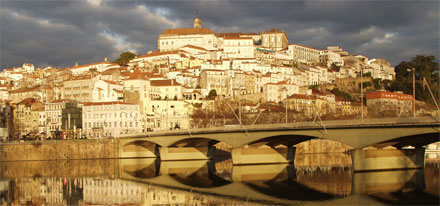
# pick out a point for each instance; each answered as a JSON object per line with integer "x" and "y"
{"x": 362, "y": 99}
{"x": 414, "y": 92}
{"x": 286, "y": 110}
{"x": 239, "y": 109}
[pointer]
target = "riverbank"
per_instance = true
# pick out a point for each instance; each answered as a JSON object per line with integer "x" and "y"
{"x": 109, "y": 149}
{"x": 59, "y": 150}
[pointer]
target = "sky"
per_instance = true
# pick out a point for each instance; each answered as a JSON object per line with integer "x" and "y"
{"x": 59, "y": 33}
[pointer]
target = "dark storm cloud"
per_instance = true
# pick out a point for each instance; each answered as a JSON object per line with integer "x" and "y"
{"x": 60, "y": 32}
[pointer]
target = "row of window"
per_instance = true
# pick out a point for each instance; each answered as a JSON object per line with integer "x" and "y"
{"x": 109, "y": 115}
{"x": 109, "y": 124}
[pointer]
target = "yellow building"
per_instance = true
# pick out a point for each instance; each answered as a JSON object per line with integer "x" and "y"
{"x": 274, "y": 39}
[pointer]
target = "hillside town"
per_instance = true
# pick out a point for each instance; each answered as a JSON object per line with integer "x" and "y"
{"x": 197, "y": 78}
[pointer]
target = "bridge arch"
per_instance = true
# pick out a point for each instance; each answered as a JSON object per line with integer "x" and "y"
{"x": 138, "y": 148}
{"x": 277, "y": 140}
{"x": 194, "y": 142}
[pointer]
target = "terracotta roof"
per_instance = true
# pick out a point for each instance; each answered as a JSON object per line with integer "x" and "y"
{"x": 28, "y": 101}
{"x": 118, "y": 91}
{"x": 187, "y": 31}
{"x": 167, "y": 82}
{"x": 341, "y": 99}
{"x": 228, "y": 35}
{"x": 37, "y": 88}
{"x": 389, "y": 95}
{"x": 302, "y": 96}
{"x": 273, "y": 31}
{"x": 137, "y": 74}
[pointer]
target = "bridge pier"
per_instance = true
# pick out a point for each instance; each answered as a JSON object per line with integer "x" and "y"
{"x": 250, "y": 155}
{"x": 138, "y": 150}
{"x": 365, "y": 183}
{"x": 245, "y": 173}
{"x": 186, "y": 153}
{"x": 387, "y": 159}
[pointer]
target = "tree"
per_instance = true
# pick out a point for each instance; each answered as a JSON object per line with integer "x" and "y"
{"x": 124, "y": 58}
{"x": 377, "y": 84}
{"x": 212, "y": 93}
{"x": 425, "y": 67}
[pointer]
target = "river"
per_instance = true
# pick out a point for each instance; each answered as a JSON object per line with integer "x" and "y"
{"x": 153, "y": 182}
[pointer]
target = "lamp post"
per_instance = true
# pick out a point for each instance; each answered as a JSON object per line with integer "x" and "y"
{"x": 362, "y": 99}
{"x": 362, "y": 92}
{"x": 414, "y": 90}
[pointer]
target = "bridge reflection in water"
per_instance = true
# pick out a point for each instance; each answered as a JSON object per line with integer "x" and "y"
{"x": 147, "y": 181}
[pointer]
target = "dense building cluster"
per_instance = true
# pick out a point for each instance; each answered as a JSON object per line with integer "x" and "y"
{"x": 161, "y": 89}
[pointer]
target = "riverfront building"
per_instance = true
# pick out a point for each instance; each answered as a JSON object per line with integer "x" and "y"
{"x": 110, "y": 119}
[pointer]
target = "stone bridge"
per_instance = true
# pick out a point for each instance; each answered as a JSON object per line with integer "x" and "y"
{"x": 274, "y": 143}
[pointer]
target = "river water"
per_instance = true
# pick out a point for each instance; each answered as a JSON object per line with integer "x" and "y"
{"x": 315, "y": 179}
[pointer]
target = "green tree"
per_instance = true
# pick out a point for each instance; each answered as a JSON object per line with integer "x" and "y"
{"x": 343, "y": 94}
{"x": 124, "y": 58}
{"x": 425, "y": 67}
{"x": 377, "y": 84}
{"x": 212, "y": 93}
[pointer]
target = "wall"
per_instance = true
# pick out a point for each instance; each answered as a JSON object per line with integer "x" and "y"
{"x": 63, "y": 168}
{"x": 59, "y": 150}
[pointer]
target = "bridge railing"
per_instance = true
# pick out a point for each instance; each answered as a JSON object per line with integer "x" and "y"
{"x": 297, "y": 125}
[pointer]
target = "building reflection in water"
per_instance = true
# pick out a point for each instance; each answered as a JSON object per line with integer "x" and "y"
{"x": 151, "y": 182}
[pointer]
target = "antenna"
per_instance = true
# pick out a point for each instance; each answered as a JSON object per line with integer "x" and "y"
{"x": 197, "y": 13}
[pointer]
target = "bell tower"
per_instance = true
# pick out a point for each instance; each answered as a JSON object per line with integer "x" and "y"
{"x": 197, "y": 21}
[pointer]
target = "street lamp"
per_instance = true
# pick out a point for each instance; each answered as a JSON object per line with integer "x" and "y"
{"x": 362, "y": 92}
{"x": 414, "y": 90}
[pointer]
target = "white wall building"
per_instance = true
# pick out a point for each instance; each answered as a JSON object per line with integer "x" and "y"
{"x": 167, "y": 115}
{"x": 238, "y": 47}
{"x": 107, "y": 91}
{"x": 98, "y": 66}
{"x": 277, "y": 92}
{"x": 110, "y": 119}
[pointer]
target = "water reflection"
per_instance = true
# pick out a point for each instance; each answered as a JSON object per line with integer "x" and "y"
{"x": 150, "y": 182}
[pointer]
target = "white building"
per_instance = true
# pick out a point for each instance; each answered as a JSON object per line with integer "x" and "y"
{"x": 53, "y": 111}
{"x": 157, "y": 58}
{"x": 277, "y": 92}
{"x": 110, "y": 119}
{"x": 304, "y": 54}
{"x": 137, "y": 82}
{"x": 167, "y": 115}
{"x": 97, "y": 66}
{"x": 173, "y": 39}
{"x": 238, "y": 47}
{"x": 274, "y": 39}
{"x": 97, "y": 191}
{"x": 107, "y": 91}
{"x": 165, "y": 89}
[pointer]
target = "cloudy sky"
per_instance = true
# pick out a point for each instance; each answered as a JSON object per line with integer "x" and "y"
{"x": 59, "y": 33}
